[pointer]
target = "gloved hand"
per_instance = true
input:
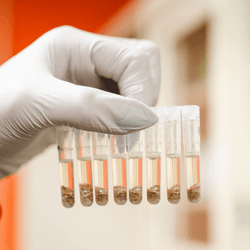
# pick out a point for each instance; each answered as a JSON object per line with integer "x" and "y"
{"x": 37, "y": 94}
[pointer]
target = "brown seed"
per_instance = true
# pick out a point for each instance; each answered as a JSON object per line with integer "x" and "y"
{"x": 86, "y": 194}
{"x": 153, "y": 194}
{"x": 101, "y": 196}
{"x": 120, "y": 195}
{"x": 135, "y": 195}
{"x": 193, "y": 193}
{"x": 68, "y": 197}
{"x": 174, "y": 195}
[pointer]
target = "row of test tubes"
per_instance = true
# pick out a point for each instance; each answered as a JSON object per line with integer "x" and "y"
{"x": 160, "y": 140}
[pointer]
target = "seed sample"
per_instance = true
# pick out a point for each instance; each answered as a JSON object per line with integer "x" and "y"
{"x": 135, "y": 195}
{"x": 174, "y": 194}
{"x": 101, "y": 196}
{"x": 120, "y": 195}
{"x": 68, "y": 197}
{"x": 153, "y": 194}
{"x": 193, "y": 193}
{"x": 86, "y": 194}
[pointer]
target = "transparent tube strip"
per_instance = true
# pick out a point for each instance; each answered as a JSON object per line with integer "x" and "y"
{"x": 127, "y": 155}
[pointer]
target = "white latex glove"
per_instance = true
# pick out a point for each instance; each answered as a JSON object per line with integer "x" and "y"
{"x": 36, "y": 90}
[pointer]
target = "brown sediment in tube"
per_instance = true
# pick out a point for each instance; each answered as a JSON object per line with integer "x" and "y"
{"x": 153, "y": 194}
{"x": 86, "y": 194}
{"x": 193, "y": 193}
{"x": 135, "y": 195}
{"x": 120, "y": 195}
{"x": 101, "y": 196}
{"x": 68, "y": 197}
{"x": 174, "y": 195}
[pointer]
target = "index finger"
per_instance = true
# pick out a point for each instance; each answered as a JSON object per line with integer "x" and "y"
{"x": 128, "y": 66}
{"x": 152, "y": 51}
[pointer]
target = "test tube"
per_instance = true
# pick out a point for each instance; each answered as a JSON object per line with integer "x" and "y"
{"x": 153, "y": 157}
{"x": 191, "y": 141}
{"x": 83, "y": 148}
{"x": 172, "y": 128}
{"x": 101, "y": 168}
{"x": 135, "y": 149}
{"x": 119, "y": 168}
{"x": 64, "y": 143}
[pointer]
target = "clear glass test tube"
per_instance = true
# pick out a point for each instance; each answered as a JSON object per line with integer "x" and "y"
{"x": 134, "y": 152}
{"x": 172, "y": 133}
{"x": 119, "y": 168}
{"x": 65, "y": 148}
{"x": 101, "y": 168}
{"x": 83, "y": 150}
{"x": 191, "y": 141}
{"x": 153, "y": 159}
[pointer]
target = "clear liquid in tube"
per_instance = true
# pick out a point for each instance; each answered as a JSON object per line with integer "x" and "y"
{"x": 173, "y": 177}
{"x": 135, "y": 180}
{"x": 154, "y": 178}
{"x": 193, "y": 177}
{"x": 85, "y": 181}
{"x": 67, "y": 183}
{"x": 101, "y": 180}
{"x": 119, "y": 180}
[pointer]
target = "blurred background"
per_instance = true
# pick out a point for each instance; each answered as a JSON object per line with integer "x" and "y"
{"x": 205, "y": 60}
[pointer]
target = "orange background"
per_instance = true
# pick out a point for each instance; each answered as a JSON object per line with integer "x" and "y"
{"x": 8, "y": 213}
{"x": 22, "y": 22}
{"x": 33, "y": 18}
